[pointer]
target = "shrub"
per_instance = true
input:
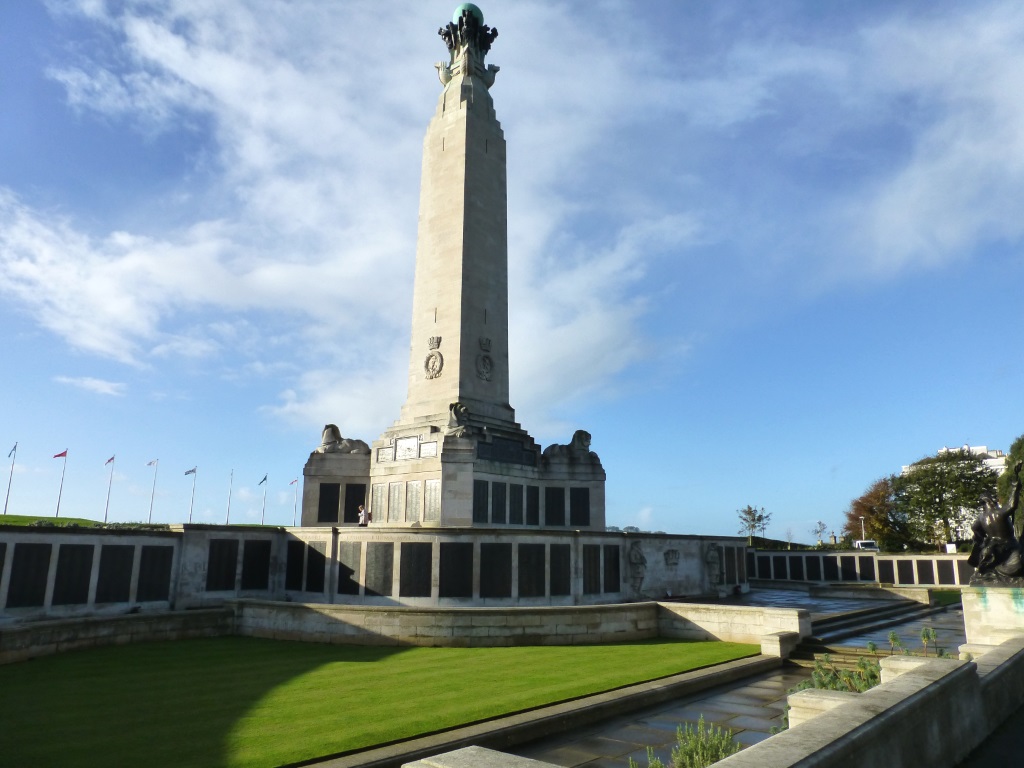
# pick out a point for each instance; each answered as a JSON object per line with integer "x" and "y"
{"x": 696, "y": 747}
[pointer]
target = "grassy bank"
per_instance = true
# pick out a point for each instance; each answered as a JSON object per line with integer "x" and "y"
{"x": 249, "y": 702}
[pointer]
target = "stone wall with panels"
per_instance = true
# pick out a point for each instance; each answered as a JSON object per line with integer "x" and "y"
{"x": 77, "y": 572}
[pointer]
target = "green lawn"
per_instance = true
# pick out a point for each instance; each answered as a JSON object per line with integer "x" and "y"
{"x": 238, "y": 701}
{"x": 29, "y": 519}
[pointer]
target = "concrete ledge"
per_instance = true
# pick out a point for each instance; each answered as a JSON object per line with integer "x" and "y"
{"x": 507, "y": 732}
{"x": 780, "y": 644}
{"x": 20, "y": 642}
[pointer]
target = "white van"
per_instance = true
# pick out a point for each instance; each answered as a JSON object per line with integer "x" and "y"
{"x": 868, "y": 545}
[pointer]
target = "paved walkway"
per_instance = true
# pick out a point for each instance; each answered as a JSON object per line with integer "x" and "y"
{"x": 749, "y": 709}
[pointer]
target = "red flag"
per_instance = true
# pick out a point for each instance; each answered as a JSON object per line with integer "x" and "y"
{"x": 108, "y": 461}
{"x": 62, "y": 455}
{"x": 293, "y": 482}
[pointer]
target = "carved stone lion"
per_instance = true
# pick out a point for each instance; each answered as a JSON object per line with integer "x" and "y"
{"x": 332, "y": 442}
{"x": 578, "y": 447}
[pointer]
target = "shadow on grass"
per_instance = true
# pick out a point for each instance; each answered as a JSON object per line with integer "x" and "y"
{"x": 152, "y": 704}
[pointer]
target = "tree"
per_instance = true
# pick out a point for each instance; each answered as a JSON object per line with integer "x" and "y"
{"x": 753, "y": 520}
{"x": 818, "y": 531}
{"x": 1006, "y": 479}
{"x": 882, "y": 521}
{"x": 940, "y": 495}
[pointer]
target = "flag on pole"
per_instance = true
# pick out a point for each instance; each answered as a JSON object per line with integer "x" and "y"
{"x": 151, "y": 463}
{"x": 13, "y": 450}
{"x": 108, "y": 461}
{"x": 293, "y": 482}
{"x": 261, "y": 482}
{"x": 62, "y": 455}
{"x": 192, "y": 471}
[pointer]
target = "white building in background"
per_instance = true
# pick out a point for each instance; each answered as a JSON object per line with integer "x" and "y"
{"x": 994, "y": 459}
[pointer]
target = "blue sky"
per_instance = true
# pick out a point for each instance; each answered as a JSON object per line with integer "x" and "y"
{"x": 765, "y": 253}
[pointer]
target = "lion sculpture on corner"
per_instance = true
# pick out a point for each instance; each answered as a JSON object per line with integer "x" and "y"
{"x": 332, "y": 442}
{"x": 579, "y": 447}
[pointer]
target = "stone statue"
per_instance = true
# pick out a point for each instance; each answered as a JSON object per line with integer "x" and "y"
{"x": 997, "y": 554}
{"x": 637, "y": 566}
{"x": 458, "y": 421}
{"x": 578, "y": 448}
{"x": 332, "y": 442}
{"x": 713, "y": 563}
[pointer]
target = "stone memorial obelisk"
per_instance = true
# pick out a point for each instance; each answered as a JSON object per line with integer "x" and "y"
{"x": 456, "y": 457}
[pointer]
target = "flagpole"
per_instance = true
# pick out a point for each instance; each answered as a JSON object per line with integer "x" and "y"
{"x": 60, "y": 492}
{"x": 14, "y": 453}
{"x": 192, "y": 501}
{"x": 152, "y": 496}
{"x": 231, "y": 480}
{"x": 295, "y": 503}
{"x": 110, "y": 484}
{"x": 265, "y": 484}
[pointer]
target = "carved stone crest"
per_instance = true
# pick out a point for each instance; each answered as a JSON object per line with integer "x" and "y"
{"x": 435, "y": 361}
{"x": 484, "y": 367}
{"x": 671, "y": 558}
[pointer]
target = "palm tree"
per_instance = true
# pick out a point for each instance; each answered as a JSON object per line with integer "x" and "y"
{"x": 894, "y": 640}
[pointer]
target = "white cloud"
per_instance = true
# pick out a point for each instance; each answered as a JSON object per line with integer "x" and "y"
{"x": 89, "y": 384}
{"x": 297, "y": 249}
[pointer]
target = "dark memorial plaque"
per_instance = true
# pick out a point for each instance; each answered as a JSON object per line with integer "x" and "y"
{"x": 831, "y": 565}
{"x": 925, "y": 572}
{"x": 886, "y": 572}
{"x": 561, "y": 573}
{"x": 495, "y": 570}
{"x": 779, "y": 570}
{"x": 506, "y": 451}
{"x": 221, "y": 564}
{"x": 751, "y": 564}
{"x": 30, "y": 567}
{"x": 904, "y": 571}
{"x": 742, "y": 561}
{"x": 764, "y": 567}
{"x": 591, "y": 569}
{"x": 327, "y": 507}
{"x": 848, "y": 567}
{"x": 256, "y": 564}
{"x": 612, "y": 568}
{"x": 554, "y": 505}
{"x": 945, "y": 573}
{"x": 498, "y": 503}
{"x": 532, "y": 505}
{"x": 3, "y": 554}
{"x": 74, "y": 567}
{"x": 515, "y": 504}
{"x": 295, "y": 565}
{"x": 348, "y": 567}
{"x": 731, "y": 555}
{"x": 531, "y": 570}
{"x": 965, "y": 571}
{"x": 115, "y": 580}
{"x": 796, "y": 568}
{"x": 414, "y": 569}
{"x": 316, "y": 565}
{"x": 814, "y": 568}
{"x": 579, "y": 506}
{"x": 867, "y": 567}
{"x": 380, "y": 567}
{"x": 455, "y": 569}
{"x": 155, "y": 573}
{"x": 479, "y": 501}
{"x": 355, "y": 494}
